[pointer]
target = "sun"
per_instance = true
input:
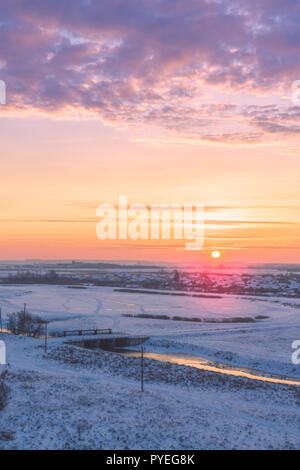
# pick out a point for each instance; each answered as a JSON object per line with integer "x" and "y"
{"x": 216, "y": 254}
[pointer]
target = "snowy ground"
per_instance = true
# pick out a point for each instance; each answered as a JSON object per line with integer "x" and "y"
{"x": 78, "y": 399}
{"x": 71, "y": 398}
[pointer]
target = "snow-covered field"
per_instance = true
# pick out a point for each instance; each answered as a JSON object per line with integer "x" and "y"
{"x": 265, "y": 344}
{"x": 73, "y": 398}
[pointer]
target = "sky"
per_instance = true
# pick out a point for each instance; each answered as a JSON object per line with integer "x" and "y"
{"x": 163, "y": 101}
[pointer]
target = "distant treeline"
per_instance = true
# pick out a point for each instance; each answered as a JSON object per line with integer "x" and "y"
{"x": 78, "y": 265}
{"x": 279, "y": 266}
{"x": 31, "y": 277}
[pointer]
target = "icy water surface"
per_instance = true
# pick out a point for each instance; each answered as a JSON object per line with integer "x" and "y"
{"x": 204, "y": 364}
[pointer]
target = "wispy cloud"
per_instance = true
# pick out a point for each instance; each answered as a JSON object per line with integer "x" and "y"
{"x": 155, "y": 63}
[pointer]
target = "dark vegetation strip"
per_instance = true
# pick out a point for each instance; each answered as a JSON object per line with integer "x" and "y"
{"x": 196, "y": 319}
{"x": 180, "y": 294}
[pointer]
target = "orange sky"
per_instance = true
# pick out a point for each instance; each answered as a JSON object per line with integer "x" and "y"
{"x": 196, "y": 104}
{"x": 56, "y": 172}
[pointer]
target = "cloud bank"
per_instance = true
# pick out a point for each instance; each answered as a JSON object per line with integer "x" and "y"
{"x": 184, "y": 66}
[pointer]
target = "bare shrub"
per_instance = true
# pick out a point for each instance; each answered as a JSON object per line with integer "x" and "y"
{"x": 6, "y": 436}
{"x": 4, "y": 391}
{"x": 25, "y": 323}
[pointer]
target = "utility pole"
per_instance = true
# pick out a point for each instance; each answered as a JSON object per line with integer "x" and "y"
{"x": 0, "y": 319}
{"x": 142, "y": 369}
{"x": 46, "y": 335}
{"x": 24, "y": 308}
